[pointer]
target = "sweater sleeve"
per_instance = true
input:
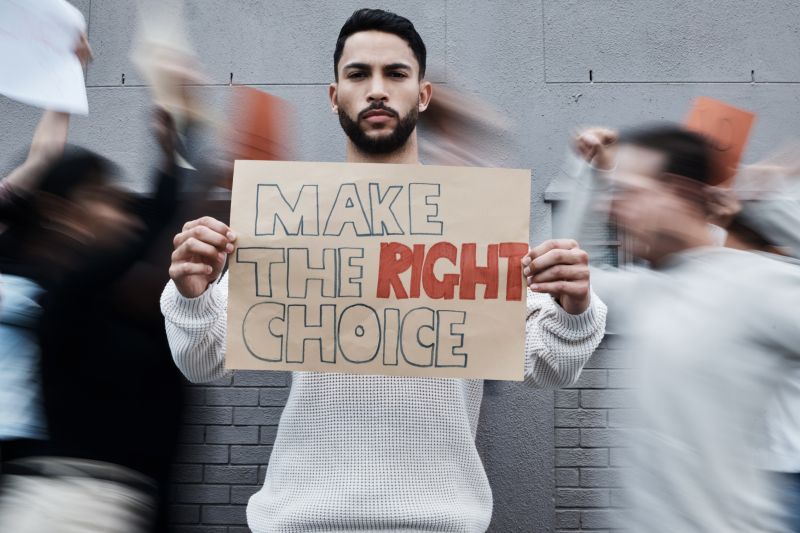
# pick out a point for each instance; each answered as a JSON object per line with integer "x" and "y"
{"x": 196, "y": 330}
{"x": 558, "y": 344}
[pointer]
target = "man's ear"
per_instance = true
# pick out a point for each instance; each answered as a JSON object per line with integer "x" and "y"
{"x": 332, "y": 97}
{"x": 425, "y": 94}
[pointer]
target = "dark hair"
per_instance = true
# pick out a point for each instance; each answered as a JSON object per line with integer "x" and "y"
{"x": 385, "y": 21}
{"x": 76, "y": 168}
{"x": 687, "y": 153}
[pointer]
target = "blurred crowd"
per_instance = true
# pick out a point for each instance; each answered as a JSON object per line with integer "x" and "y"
{"x": 91, "y": 401}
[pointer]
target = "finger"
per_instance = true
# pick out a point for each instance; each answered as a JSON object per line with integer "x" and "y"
{"x": 546, "y": 246}
{"x": 558, "y": 256}
{"x": 206, "y": 235}
{"x": 178, "y": 270}
{"x": 575, "y": 289}
{"x": 196, "y": 250}
{"x": 213, "y": 224}
{"x": 561, "y": 273}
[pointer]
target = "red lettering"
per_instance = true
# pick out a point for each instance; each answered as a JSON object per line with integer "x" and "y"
{"x": 395, "y": 258}
{"x": 439, "y": 288}
{"x": 471, "y": 274}
{"x": 514, "y": 251}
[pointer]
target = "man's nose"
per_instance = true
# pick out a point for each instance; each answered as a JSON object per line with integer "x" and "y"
{"x": 377, "y": 90}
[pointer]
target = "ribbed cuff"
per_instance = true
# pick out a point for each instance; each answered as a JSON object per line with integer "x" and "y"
{"x": 204, "y": 306}
{"x": 585, "y": 322}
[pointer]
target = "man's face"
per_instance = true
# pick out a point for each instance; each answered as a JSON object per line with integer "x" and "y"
{"x": 651, "y": 210}
{"x": 379, "y": 94}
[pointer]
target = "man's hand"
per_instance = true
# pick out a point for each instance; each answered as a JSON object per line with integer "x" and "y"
{"x": 595, "y": 146}
{"x": 200, "y": 252}
{"x": 560, "y": 268}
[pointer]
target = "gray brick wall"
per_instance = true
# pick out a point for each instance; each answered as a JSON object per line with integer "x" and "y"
{"x": 227, "y": 437}
{"x": 590, "y": 443}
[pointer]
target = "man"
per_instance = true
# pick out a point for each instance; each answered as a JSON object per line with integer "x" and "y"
{"x": 713, "y": 331}
{"x": 376, "y": 453}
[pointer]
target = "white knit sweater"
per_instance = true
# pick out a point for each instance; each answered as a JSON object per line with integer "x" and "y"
{"x": 378, "y": 453}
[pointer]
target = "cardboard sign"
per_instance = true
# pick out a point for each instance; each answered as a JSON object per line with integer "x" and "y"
{"x": 727, "y": 128}
{"x": 404, "y": 270}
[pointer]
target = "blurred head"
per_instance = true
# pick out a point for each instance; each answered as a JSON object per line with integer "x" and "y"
{"x": 379, "y": 67}
{"x": 78, "y": 204}
{"x": 661, "y": 192}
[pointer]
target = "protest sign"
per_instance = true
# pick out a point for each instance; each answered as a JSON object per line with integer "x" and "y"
{"x": 727, "y": 128}
{"x": 406, "y": 270}
{"x": 38, "y": 65}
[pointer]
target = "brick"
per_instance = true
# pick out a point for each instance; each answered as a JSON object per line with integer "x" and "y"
{"x": 592, "y": 379}
{"x": 231, "y": 435}
{"x": 607, "y": 398}
{"x": 601, "y": 477}
{"x": 224, "y": 514}
{"x": 262, "y": 473}
{"x": 567, "y": 477}
{"x": 622, "y": 379}
{"x": 240, "y": 529}
{"x": 596, "y": 519}
{"x": 208, "y": 415}
{"x": 231, "y": 396}
{"x": 268, "y": 434}
{"x": 567, "y": 398}
{"x": 257, "y": 416}
{"x": 615, "y": 342}
{"x": 199, "y": 529}
{"x": 260, "y": 378}
{"x": 568, "y": 519}
{"x": 581, "y": 457}
{"x": 250, "y": 455}
{"x": 235, "y": 475}
{"x": 274, "y": 396}
{"x": 194, "y": 396}
{"x": 567, "y": 437}
{"x": 186, "y": 473}
{"x": 219, "y": 382}
{"x": 190, "y": 434}
{"x": 610, "y": 359}
{"x": 620, "y": 457}
{"x": 202, "y": 453}
{"x": 576, "y": 418}
{"x": 604, "y": 438}
{"x": 184, "y": 514}
{"x": 241, "y": 494}
{"x": 202, "y": 494}
{"x": 622, "y": 418}
{"x": 582, "y": 498}
{"x": 619, "y": 498}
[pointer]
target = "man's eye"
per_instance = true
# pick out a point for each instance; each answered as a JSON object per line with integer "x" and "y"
{"x": 398, "y": 75}
{"x": 356, "y": 75}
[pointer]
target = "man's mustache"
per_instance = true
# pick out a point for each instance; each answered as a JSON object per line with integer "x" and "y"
{"x": 378, "y": 106}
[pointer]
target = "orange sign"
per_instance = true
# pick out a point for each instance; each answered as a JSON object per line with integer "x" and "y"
{"x": 261, "y": 126}
{"x": 727, "y": 128}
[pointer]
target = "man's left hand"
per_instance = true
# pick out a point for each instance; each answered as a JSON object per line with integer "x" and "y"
{"x": 560, "y": 268}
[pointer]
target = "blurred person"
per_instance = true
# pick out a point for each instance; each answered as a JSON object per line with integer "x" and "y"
{"x": 460, "y": 130}
{"x": 712, "y": 331}
{"x": 378, "y": 94}
{"x": 766, "y": 220}
{"x": 112, "y": 397}
{"x": 21, "y": 416}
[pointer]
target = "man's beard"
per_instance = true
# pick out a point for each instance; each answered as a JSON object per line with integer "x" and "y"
{"x": 384, "y": 144}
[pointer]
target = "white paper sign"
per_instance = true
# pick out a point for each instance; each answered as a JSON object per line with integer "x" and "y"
{"x": 38, "y": 65}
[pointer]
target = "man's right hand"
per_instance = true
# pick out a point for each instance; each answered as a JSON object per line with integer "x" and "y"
{"x": 595, "y": 146}
{"x": 199, "y": 256}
